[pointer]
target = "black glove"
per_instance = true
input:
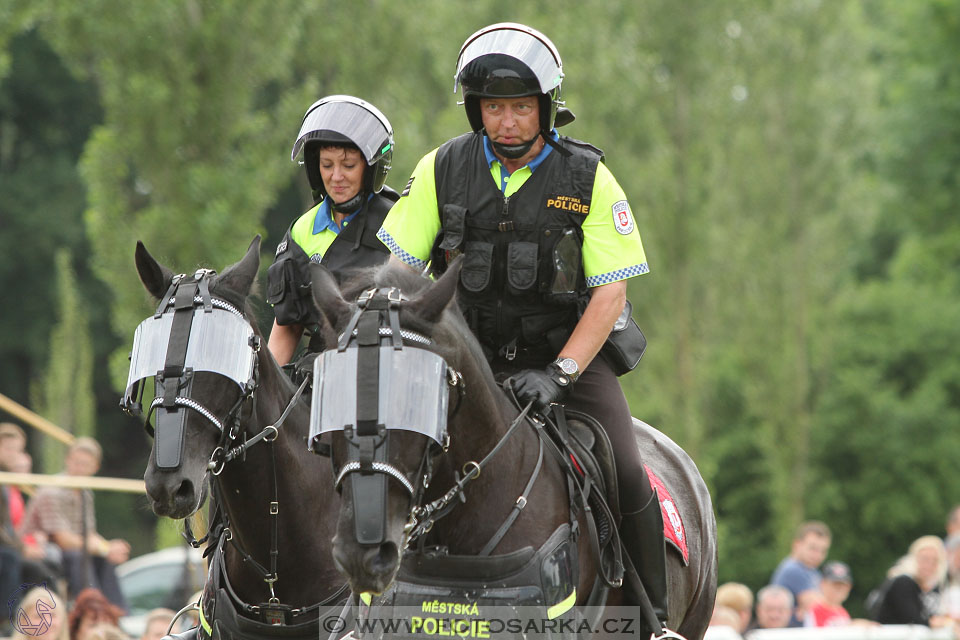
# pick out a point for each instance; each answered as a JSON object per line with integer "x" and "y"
{"x": 542, "y": 387}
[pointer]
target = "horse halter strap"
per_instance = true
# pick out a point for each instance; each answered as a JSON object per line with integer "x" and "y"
{"x": 190, "y": 331}
{"x": 361, "y": 354}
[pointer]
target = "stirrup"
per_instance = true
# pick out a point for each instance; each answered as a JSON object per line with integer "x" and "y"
{"x": 666, "y": 634}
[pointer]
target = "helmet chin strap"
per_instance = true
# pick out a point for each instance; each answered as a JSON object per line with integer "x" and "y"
{"x": 514, "y": 151}
{"x": 351, "y": 205}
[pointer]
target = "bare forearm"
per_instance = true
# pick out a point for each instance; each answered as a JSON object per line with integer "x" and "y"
{"x": 606, "y": 304}
{"x": 283, "y": 341}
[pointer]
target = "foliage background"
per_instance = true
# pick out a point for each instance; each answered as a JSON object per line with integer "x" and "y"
{"x": 793, "y": 166}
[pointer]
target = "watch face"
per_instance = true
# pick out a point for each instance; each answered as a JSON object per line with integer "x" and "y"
{"x": 568, "y": 366}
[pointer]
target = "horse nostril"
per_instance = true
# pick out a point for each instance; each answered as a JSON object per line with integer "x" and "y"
{"x": 383, "y": 559}
{"x": 185, "y": 491}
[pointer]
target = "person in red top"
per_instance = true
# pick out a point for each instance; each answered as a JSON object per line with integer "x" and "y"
{"x": 12, "y": 441}
{"x": 835, "y": 587}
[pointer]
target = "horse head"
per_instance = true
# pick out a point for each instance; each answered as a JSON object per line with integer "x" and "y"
{"x": 383, "y": 390}
{"x": 202, "y": 349}
{"x": 415, "y": 424}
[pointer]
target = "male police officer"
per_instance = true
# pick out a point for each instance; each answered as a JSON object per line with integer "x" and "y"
{"x": 347, "y": 148}
{"x": 549, "y": 242}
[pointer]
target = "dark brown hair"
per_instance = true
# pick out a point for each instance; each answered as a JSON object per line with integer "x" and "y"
{"x": 90, "y": 602}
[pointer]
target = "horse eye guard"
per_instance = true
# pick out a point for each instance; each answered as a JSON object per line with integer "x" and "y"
{"x": 213, "y": 346}
{"x": 412, "y": 396}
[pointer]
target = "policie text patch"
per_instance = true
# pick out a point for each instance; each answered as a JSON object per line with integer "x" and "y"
{"x": 568, "y": 203}
{"x": 622, "y": 217}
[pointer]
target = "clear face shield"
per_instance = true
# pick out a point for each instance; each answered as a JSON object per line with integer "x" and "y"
{"x": 413, "y": 394}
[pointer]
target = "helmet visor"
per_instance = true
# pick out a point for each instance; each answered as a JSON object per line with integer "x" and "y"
{"x": 539, "y": 56}
{"x": 369, "y": 131}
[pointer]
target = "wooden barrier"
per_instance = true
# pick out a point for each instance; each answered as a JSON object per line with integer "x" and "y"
{"x": 75, "y": 482}
{"x": 34, "y": 420}
{"x": 43, "y": 480}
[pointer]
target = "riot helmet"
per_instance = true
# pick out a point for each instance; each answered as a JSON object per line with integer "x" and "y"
{"x": 341, "y": 120}
{"x": 510, "y": 60}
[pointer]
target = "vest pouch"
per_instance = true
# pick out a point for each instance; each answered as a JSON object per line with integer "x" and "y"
{"x": 521, "y": 266}
{"x": 454, "y": 223}
{"x": 544, "y": 334}
{"x": 625, "y": 344}
{"x": 477, "y": 266}
{"x": 566, "y": 265}
{"x": 284, "y": 293}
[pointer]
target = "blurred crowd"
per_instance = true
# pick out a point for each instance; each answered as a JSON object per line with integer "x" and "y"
{"x": 921, "y": 588}
{"x": 52, "y": 559}
{"x": 42, "y": 613}
{"x": 58, "y": 579}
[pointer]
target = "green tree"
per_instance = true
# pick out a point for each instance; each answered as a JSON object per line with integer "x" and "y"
{"x": 43, "y": 199}
{"x": 185, "y": 157}
{"x": 888, "y": 418}
{"x": 65, "y": 395}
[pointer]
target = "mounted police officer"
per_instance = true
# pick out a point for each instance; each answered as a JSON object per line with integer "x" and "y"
{"x": 347, "y": 148}
{"x": 549, "y": 242}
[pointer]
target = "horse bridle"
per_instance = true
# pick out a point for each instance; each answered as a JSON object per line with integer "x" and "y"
{"x": 373, "y": 340}
{"x": 375, "y": 321}
{"x": 186, "y": 295}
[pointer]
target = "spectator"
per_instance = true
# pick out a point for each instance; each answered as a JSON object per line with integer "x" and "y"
{"x": 158, "y": 621}
{"x": 91, "y": 609}
{"x": 739, "y": 598}
{"x": 724, "y": 616}
{"x": 41, "y": 614}
{"x": 67, "y": 517}
{"x": 723, "y": 624}
{"x": 950, "y": 600}
{"x": 913, "y": 594}
{"x": 12, "y": 441}
{"x": 798, "y": 572}
{"x": 774, "y": 608}
{"x": 40, "y": 560}
{"x": 835, "y": 588}
{"x": 953, "y": 521}
{"x": 106, "y": 631}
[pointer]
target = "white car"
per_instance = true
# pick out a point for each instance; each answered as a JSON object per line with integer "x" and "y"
{"x": 165, "y": 578}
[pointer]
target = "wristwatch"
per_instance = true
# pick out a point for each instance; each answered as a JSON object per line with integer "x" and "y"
{"x": 569, "y": 367}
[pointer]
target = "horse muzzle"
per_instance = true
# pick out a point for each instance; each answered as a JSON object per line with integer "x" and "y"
{"x": 368, "y": 568}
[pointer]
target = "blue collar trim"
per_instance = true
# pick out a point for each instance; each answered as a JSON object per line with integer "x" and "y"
{"x": 324, "y": 218}
{"x": 533, "y": 164}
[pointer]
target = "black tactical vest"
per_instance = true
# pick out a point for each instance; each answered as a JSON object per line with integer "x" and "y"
{"x": 522, "y": 283}
{"x": 355, "y": 247}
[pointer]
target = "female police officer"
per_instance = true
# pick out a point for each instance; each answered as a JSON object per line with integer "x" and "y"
{"x": 548, "y": 240}
{"x": 347, "y": 148}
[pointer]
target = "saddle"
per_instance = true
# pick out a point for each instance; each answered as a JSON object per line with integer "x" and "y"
{"x": 594, "y": 457}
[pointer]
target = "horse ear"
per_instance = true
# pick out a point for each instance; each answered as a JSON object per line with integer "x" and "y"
{"x": 431, "y": 303}
{"x": 240, "y": 277}
{"x": 326, "y": 294}
{"x": 154, "y": 276}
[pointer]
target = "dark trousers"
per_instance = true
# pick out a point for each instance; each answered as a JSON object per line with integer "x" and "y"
{"x": 598, "y": 393}
{"x": 10, "y": 577}
{"x": 84, "y": 570}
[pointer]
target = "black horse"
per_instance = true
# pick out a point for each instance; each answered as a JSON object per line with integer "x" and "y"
{"x": 505, "y": 498}
{"x": 272, "y": 502}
